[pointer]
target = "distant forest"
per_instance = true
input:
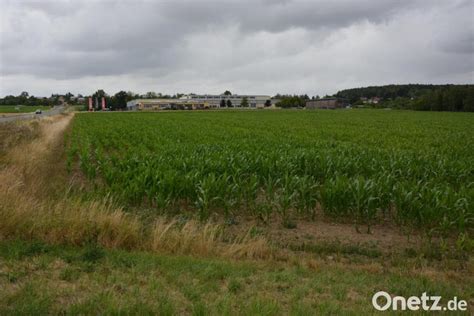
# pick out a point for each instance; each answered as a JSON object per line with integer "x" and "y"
{"x": 415, "y": 96}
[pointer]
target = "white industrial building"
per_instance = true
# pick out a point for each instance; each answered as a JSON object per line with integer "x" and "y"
{"x": 214, "y": 100}
{"x": 201, "y": 101}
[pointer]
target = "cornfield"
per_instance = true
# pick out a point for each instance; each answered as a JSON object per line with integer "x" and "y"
{"x": 414, "y": 169}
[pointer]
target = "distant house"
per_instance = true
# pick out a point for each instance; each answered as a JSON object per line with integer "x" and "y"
{"x": 374, "y": 100}
{"x": 327, "y": 103}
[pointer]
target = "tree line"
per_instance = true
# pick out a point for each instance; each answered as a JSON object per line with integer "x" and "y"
{"x": 291, "y": 101}
{"x": 29, "y": 100}
{"x": 416, "y": 97}
{"x": 410, "y": 96}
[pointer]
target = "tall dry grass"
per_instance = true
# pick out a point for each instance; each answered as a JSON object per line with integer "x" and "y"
{"x": 14, "y": 133}
{"x": 197, "y": 238}
{"x": 29, "y": 210}
{"x": 76, "y": 222}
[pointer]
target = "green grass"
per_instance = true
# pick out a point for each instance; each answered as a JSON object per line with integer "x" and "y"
{"x": 412, "y": 168}
{"x": 78, "y": 107}
{"x": 41, "y": 279}
{"x": 21, "y": 108}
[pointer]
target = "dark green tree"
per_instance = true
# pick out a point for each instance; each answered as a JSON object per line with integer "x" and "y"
{"x": 468, "y": 105}
{"x": 291, "y": 101}
{"x": 68, "y": 96}
{"x": 120, "y": 100}
{"x": 151, "y": 95}
{"x": 23, "y": 97}
{"x": 99, "y": 93}
{"x": 244, "y": 103}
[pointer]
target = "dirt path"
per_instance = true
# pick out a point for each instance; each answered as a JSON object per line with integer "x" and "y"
{"x": 31, "y": 166}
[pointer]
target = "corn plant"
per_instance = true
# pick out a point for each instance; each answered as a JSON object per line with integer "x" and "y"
{"x": 358, "y": 165}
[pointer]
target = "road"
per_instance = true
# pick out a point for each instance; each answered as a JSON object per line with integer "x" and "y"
{"x": 29, "y": 116}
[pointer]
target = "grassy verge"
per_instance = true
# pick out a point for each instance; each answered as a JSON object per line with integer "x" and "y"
{"x": 15, "y": 133}
{"x": 40, "y": 279}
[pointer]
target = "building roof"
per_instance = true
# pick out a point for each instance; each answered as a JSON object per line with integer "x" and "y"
{"x": 328, "y": 99}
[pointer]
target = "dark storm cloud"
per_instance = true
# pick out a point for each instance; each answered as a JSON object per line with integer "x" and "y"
{"x": 292, "y": 46}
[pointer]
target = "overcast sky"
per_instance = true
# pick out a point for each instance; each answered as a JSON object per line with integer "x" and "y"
{"x": 248, "y": 47}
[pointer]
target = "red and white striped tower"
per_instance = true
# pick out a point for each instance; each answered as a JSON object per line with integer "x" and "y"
{"x": 90, "y": 104}
{"x": 103, "y": 103}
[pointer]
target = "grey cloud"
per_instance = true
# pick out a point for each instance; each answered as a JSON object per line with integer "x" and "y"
{"x": 241, "y": 43}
